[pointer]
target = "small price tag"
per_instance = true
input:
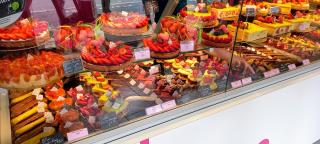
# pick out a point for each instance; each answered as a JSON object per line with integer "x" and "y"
{"x": 132, "y": 82}
{"x": 274, "y": 10}
{"x": 303, "y": 26}
{"x": 186, "y": 46}
{"x": 154, "y": 69}
{"x": 77, "y": 134}
{"x": 153, "y": 110}
{"x": 236, "y": 84}
{"x": 267, "y": 74}
{"x": 141, "y": 85}
{"x": 246, "y": 81}
{"x": 146, "y": 91}
{"x": 142, "y": 53}
{"x": 250, "y": 10}
{"x": 79, "y": 88}
{"x": 275, "y": 72}
{"x": 39, "y": 97}
{"x": 168, "y": 105}
{"x": 36, "y": 91}
{"x": 292, "y": 66}
{"x": 92, "y": 119}
{"x": 72, "y": 66}
{"x": 306, "y": 62}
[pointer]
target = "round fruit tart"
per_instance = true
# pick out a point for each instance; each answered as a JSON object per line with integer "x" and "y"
{"x": 219, "y": 38}
{"x": 106, "y": 57}
{"x": 31, "y": 71}
{"x": 164, "y": 47}
{"x": 24, "y": 33}
{"x": 200, "y": 14}
{"x": 124, "y": 23}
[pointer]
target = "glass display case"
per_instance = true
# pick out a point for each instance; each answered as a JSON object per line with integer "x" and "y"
{"x": 76, "y": 69}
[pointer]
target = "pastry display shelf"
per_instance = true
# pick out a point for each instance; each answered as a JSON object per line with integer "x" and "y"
{"x": 135, "y": 131}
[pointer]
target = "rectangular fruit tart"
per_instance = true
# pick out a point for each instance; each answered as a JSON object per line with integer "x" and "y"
{"x": 274, "y": 25}
{"x": 248, "y": 31}
{"x": 224, "y": 10}
{"x": 299, "y": 22}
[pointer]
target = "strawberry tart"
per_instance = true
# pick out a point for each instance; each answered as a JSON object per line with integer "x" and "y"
{"x": 24, "y": 33}
{"x": 124, "y": 23}
{"x": 116, "y": 56}
{"x": 31, "y": 71}
{"x": 220, "y": 37}
{"x": 274, "y": 25}
{"x": 164, "y": 47}
{"x": 200, "y": 14}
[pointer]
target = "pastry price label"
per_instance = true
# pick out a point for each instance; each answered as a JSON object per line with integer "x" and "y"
{"x": 250, "y": 10}
{"x": 153, "y": 110}
{"x": 292, "y": 66}
{"x": 274, "y": 10}
{"x": 72, "y": 66}
{"x": 246, "y": 81}
{"x": 77, "y": 134}
{"x": 267, "y": 74}
{"x": 154, "y": 69}
{"x": 168, "y": 105}
{"x": 142, "y": 53}
{"x": 275, "y": 71}
{"x": 186, "y": 46}
{"x": 303, "y": 26}
{"x": 306, "y": 62}
{"x": 236, "y": 84}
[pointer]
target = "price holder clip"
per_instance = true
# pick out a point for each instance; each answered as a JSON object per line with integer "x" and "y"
{"x": 142, "y": 54}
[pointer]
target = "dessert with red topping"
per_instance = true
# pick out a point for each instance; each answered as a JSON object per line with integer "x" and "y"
{"x": 163, "y": 46}
{"x": 31, "y": 71}
{"x": 274, "y": 24}
{"x": 124, "y": 23}
{"x": 220, "y": 37}
{"x": 115, "y": 57}
{"x": 200, "y": 14}
{"x": 24, "y": 33}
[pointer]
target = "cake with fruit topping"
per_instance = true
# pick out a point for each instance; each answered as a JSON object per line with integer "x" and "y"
{"x": 106, "y": 57}
{"x": 248, "y": 31}
{"x": 24, "y": 33}
{"x": 224, "y": 10}
{"x": 300, "y": 4}
{"x": 274, "y": 25}
{"x": 219, "y": 38}
{"x": 164, "y": 46}
{"x": 201, "y": 14}
{"x": 299, "y": 22}
{"x": 124, "y": 23}
{"x": 31, "y": 71}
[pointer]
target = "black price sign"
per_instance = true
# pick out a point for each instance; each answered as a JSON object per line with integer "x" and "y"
{"x": 109, "y": 120}
{"x": 73, "y": 66}
{"x": 10, "y": 11}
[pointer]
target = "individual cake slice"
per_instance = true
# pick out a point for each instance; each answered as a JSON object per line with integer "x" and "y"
{"x": 124, "y": 23}
{"x": 219, "y": 38}
{"x": 274, "y": 25}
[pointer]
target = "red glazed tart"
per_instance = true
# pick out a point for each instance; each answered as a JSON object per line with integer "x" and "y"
{"x": 220, "y": 38}
{"x": 124, "y": 23}
{"x": 24, "y": 33}
{"x": 116, "y": 56}
{"x": 31, "y": 71}
{"x": 164, "y": 47}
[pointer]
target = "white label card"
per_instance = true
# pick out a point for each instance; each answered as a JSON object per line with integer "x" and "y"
{"x": 306, "y": 62}
{"x": 246, "y": 81}
{"x": 292, "y": 66}
{"x": 77, "y": 134}
{"x": 186, "y": 46}
{"x": 153, "y": 110}
{"x": 236, "y": 84}
{"x": 142, "y": 53}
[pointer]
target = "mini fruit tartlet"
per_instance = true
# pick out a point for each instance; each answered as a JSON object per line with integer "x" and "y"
{"x": 31, "y": 71}
{"x": 220, "y": 37}
{"x": 124, "y": 23}
{"x": 115, "y": 57}
{"x": 200, "y": 14}
{"x": 24, "y": 33}
{"x": 164, "y": 46}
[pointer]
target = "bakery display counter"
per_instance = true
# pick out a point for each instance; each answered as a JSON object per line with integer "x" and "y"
{"x": 105, "y": 80}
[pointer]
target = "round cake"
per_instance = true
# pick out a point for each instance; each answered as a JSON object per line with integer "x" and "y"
{"x": 219, "y": 38}
{"x": 24, "y": 33}
{"x": 124, "y": 23}
{"x": 164, "y": 47}
{"x": 31, "y": 71}
{"x": 116, "y": 56}
{"x": 201, "y": 14}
